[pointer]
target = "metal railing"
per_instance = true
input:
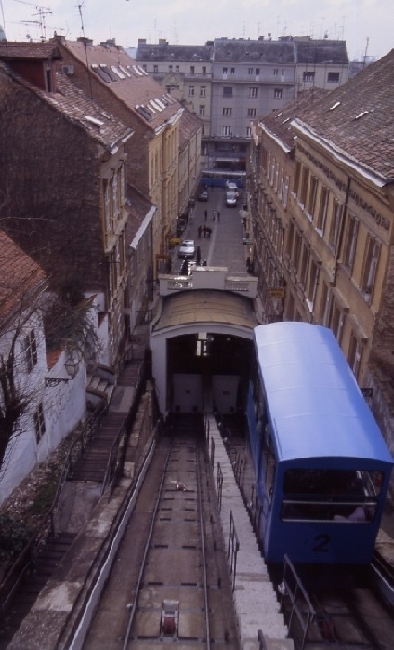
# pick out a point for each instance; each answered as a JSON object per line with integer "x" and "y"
{"x": 232, "y": 550}
{"x": 219, "y": 486}
{"x": 301, "y": 607}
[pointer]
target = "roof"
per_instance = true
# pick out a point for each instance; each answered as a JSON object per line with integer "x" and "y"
{"x": 317, "y": 52}
{"x": 205, "y": 306}
{"x": 349, "y": 118}
{"x": 77, "y": 107}
{"x": 138, "y": 208}
{"x": 166, "y": 52}
{"x": 278, "y": 124}
{"x": 315, "y": 406}
{"x": 259, "y": 51}
{"x": 113, "y": 67}
{"x": 43, "y": 51}
{"x": 189, "y": 125}
{"x": 20, "y": 278}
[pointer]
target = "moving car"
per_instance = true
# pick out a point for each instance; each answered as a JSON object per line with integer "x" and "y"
{"x": 187, "y": 249}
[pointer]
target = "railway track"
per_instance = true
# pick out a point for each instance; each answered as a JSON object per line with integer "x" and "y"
{"x": 348, "y": 618}
{"x": 170, "y": 581}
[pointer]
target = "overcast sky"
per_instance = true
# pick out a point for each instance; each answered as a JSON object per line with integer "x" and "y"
{"x": 366, "y": 25}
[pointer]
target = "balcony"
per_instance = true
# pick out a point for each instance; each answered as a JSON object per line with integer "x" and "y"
{"x": 209, "y": 277}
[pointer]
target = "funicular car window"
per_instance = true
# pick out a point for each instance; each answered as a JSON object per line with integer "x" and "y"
{"x": 333, "y": 495}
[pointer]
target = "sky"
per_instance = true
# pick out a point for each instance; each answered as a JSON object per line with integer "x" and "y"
{"x": 366, "y": 25}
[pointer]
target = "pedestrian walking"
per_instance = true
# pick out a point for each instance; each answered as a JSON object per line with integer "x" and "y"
{"x": 213, "y": 215}
{"x": 218, "y": 215}
{"x": 204, "y": 230}
{"x": 198, "y": 256}
{"x": 199, "y": 230}
{"x": 205, "y": 215}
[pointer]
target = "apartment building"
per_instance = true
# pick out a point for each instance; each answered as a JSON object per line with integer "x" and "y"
{"x": 229, "y": 82}
{"x": 67, "y": 204}
{"x": 322, "y": 200}
{"x": 133, "y": 96}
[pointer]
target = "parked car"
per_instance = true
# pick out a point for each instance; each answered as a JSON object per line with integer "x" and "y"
{"x": 230, "y": 199}
{"x": 187, "y": 249}
{"x": 203, "y": 196}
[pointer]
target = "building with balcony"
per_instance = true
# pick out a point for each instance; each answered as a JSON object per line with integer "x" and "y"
{"x": 322, "y": 205}
{"x": 229, "y": 82}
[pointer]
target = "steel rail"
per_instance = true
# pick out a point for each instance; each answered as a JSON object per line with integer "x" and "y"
{"x": 146, "y": 550}
{"x": 204, "y": 566}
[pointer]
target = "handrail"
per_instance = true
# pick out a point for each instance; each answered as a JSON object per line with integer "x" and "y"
{"x": 233, "y": 548}
{"x": 219, "y": 486}
{"x": 16, "y": 570}
{"x": 301, "y": 605}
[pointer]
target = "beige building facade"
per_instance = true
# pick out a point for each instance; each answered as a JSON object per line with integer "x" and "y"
{"x": 321, "y": 202}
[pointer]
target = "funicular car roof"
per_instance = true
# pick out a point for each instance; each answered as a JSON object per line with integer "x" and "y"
{"x": 316, "y": 407}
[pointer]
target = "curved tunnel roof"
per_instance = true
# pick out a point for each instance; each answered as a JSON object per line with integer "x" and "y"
{"x": 206, "y": 307}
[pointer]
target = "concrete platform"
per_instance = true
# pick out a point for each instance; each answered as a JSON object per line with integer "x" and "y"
{"x": 254, "y": 598}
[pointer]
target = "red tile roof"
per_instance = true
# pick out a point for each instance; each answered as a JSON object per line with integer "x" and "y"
{"x": 20, "y": 278}
{"x": 10, "y": 50}
{"x": 356, "y": 119}
{"x": 113, "y": 67}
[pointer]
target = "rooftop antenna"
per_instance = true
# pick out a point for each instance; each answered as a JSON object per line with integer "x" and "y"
{"x": 365, "y": 52}
{"x": 41, "y": 12}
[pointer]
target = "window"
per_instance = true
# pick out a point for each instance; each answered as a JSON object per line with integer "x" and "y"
{"x": 325, "y": 304}
{"x": 285, "y": 189}
{"x": 170, "y": 67}
{"x": 115, "y": 202}
{"x": 355, "y": 353}
{"x": 204, "y": 69}
{"x": 107, "y": 206}
{"x": 192, "y": 69}
{"x": 278, "y": 93}
{"x": 227, "y": 111}
{"x": 250, "y": 70}
{"x": 312, "y": 282}
{"x": 290, "y": 239}
{"x": 202, "y": 91}
{"x": 39, "y": 422}
{"x": 335, "y": 225}
{"x": 304, "y": 186}
{"x": 276, "y": 72}
{"x": 308, "y": 77}
{"x": 304, "y": 265}
{"x": 297, "y": 176}
{"x": 248, "y": 131}
{"x": 297, "y": 249}
{"x": 333, "y": 78}
{"x": 191, "y": 91}
{"x": 202, "y": 109}
{"x": 350, "y": 242}
{"x": 177, "y": 68}
{"x": 337, "y": 321}
{"x": 253, "y": 91}
{"x": 371, "y": 257}
{"x": 232, "y": 70}
{"x": 257, "y": 72}
{"x": 225, "y": 70}
{"x": 155, "y": 68}
{"x": 312, "y": 196}
{"x": 144, "y": 67}
{"x": 30, "y": 350}
{"x": 323, "y": 206}
{"x": 226, "y": 130}
{"x": 227, "y": 91}
{"x": 251, "y": 112}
